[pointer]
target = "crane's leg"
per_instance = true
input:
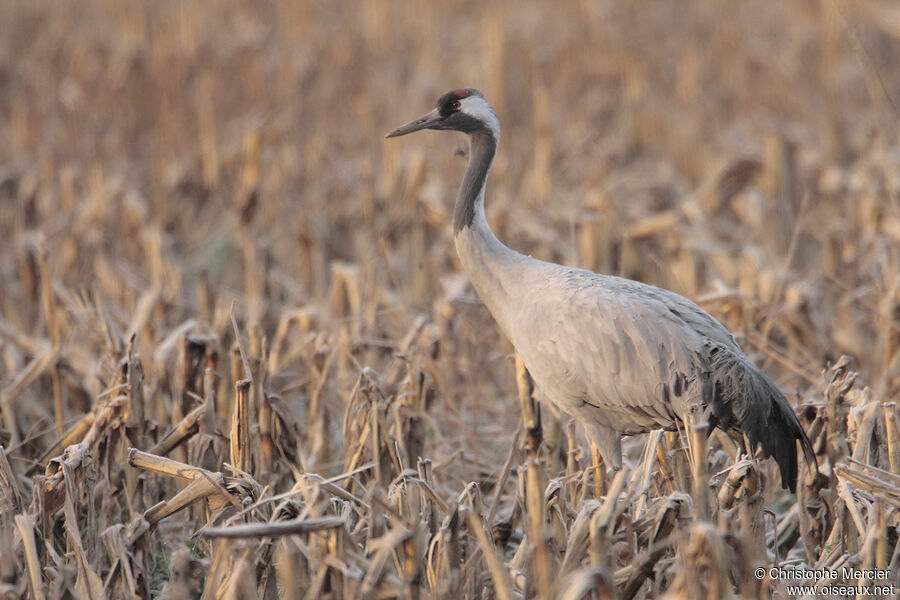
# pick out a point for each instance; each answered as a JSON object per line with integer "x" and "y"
{"x": 608, "y": 441}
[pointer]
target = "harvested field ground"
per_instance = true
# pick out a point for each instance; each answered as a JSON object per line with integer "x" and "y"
{"x": 239, "y": 359}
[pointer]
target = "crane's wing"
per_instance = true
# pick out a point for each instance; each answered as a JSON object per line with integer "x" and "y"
{"x": 632, "y": 357}
{"x": 607, "y": 351}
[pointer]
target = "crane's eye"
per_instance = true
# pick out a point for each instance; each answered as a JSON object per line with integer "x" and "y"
{"x": 455, "y": 105}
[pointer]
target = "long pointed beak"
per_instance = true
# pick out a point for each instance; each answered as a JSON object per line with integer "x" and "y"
{"x": 425, "y": 122}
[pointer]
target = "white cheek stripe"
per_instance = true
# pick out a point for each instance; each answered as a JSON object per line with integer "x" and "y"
{"x": 479, "y": 108}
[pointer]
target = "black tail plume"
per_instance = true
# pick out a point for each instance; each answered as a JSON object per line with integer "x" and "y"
{"x": 746, "y": 400}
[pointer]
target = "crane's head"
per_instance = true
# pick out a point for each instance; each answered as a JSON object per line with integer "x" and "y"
{"x": 463, "y": 110}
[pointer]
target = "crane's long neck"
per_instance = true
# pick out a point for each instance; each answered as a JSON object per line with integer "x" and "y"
{"x": 470, "y": 201}
{"x": 494, "y": 270}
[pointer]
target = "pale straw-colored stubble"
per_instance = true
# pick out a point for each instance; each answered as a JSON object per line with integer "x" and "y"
{"x": 159, "y": 170}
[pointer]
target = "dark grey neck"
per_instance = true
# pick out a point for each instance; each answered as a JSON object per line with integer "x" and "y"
{"x": 482, "y": 146}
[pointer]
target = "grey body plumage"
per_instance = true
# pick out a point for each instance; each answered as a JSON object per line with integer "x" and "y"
{"x": 620, "y": 356}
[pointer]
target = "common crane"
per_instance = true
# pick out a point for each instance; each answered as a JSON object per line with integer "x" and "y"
{"x": 620, "y": 356}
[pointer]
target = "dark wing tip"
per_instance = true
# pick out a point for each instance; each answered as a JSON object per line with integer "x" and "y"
{"x": 780, "y": 441}
{"x": 809, "y": 455}
{"x": 748, "y": 401}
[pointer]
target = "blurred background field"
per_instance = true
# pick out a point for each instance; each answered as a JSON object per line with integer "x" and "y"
{"x": 168, "y": 165}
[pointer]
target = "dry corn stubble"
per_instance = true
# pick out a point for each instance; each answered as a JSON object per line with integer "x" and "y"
{"x": 237, "y": 356}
